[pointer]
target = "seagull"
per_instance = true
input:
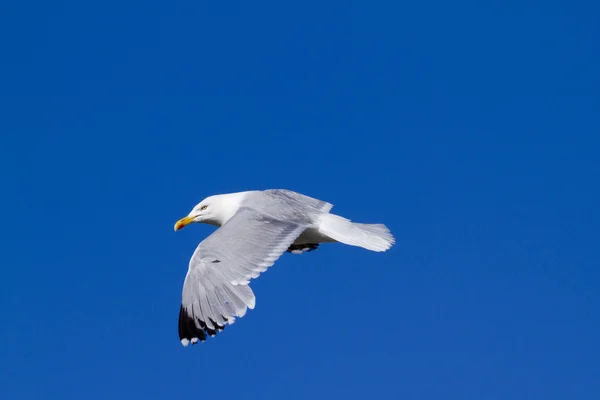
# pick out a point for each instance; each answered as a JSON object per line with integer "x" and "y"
{"x": 255, "y": 228}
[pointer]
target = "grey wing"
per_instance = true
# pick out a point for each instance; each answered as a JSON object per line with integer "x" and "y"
{"x": 216, "y": 286}
{"x": 300, "y": 199}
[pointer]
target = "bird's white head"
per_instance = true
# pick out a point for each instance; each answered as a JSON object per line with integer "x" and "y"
{"x": 213, "y": 210}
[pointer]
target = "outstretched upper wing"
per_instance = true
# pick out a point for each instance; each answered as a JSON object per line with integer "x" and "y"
{"x": 299, "y": 199}
{"x": 216, "y": 286}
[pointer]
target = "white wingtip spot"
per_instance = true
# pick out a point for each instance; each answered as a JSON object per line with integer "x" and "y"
{"x": 194, "y": 340}
{"x": 185, "y": 342}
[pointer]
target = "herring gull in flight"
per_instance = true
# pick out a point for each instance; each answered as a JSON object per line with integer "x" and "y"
{"x": 255, "y": 229}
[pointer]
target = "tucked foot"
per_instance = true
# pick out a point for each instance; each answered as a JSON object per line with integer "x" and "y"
{"x": 302, "y": 248}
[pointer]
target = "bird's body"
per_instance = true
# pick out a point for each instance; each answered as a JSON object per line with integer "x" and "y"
{"x": 255, "y": 228}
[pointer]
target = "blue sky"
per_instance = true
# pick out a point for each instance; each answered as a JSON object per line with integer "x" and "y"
{"x": 470, "y": 128}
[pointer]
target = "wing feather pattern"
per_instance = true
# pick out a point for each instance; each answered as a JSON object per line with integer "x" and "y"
{"x": 300, "y": 199}
{"x": 216, "y": 288}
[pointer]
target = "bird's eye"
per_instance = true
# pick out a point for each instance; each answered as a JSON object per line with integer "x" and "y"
{"x": 203, "y": 208}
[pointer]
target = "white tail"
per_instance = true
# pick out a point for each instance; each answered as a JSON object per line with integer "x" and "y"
{"x": 375, "y": 237}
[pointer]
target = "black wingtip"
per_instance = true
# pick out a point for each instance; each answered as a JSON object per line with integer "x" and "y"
{"x": 188, "y": 331}
{"x": 193, "y": 329}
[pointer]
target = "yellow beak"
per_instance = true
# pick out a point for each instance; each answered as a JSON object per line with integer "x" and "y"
{"x": 183, "y": 222}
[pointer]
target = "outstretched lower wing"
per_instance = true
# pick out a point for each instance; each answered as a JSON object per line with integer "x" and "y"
{"x": 216, "y": 286}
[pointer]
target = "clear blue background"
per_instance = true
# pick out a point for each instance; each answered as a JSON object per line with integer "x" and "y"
{"x": 470, "y": 128}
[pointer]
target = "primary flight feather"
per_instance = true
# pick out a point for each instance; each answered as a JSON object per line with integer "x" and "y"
{"x": 255, "y": 229}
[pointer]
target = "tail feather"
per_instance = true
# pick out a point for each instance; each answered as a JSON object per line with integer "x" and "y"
{"x": 374, "y": 237}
